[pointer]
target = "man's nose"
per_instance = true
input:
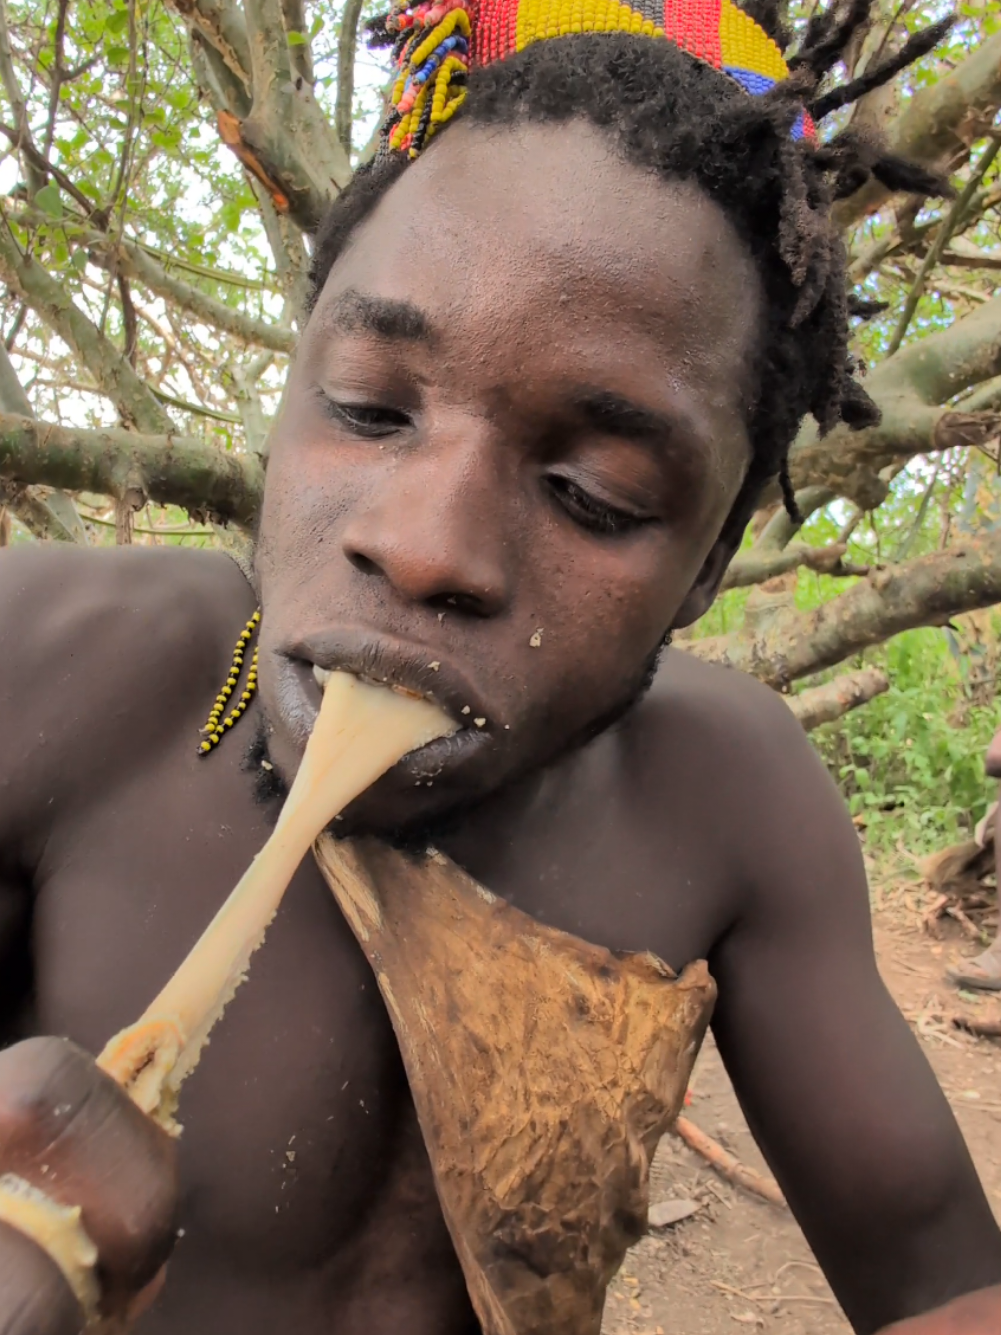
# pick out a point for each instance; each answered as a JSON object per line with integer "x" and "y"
{"x": 431, "y": 527}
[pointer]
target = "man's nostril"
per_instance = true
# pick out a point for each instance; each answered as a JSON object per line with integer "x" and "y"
{"x": 466, "y": 604}
{"x": 363, "y": 564}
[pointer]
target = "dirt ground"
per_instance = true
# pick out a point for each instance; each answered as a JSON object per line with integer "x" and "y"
{"x": 740, "y": 1262}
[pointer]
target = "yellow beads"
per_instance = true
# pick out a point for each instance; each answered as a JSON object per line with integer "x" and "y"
{"x": 440, "y": 93}
{"x": 746, "y": 46}
{"x": 540, "y": 19}
{"x": 216, "y": 725}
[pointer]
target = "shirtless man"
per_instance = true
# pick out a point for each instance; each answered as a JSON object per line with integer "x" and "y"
{"x": 550, "y": 367}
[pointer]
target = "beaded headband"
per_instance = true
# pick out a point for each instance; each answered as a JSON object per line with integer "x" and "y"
{"x": 435, "y": 43}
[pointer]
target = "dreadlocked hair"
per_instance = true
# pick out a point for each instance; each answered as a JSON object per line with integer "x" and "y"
{"x": 683, "y": 119}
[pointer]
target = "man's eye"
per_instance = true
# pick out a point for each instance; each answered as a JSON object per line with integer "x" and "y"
{"x": 590, "y": 513}
{"x": 366, "y": 419}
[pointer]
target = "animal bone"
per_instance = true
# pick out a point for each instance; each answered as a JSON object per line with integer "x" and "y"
{"x": 544, "y": 1071}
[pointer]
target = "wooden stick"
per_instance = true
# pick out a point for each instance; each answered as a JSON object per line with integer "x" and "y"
{"x": 361, "y": 731}
{"x": 726, "y": 1165}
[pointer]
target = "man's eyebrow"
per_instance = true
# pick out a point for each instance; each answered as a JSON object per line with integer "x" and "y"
{"x": 354, "y": 312}
{"x": 619, "y": 416}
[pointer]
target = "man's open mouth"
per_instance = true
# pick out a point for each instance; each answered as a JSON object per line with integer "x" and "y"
{"x": 308, "y": 665}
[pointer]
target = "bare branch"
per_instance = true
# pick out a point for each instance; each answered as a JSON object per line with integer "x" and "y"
{"x": 824, "y": 704}
{"x": 130, "y": 323}
{"x": 53, "y": 516}
{"x": 928, "y": 591}
{"x": 939, "y": 125}
{"x": 57, "y": 76}
{"x": 226, "y": 90}
{"x": 986, "y": 398}
{"x": 285, "y": 142}
{"x": 300, "y": 53}
{"x": 12, "y": 88}
{"x": 223, "y": 28}
{"x": 910, "y": 388}
{"x": 248, "y": 401}
{"x": 287, "y": 247}
{"x": 757, "y": 565}
{"x": 942, "y": 237}
{"x": 346, "y": 44}
{"x": 134, "y": 261}
{"x": 111, "y": 371}
{"x": 13, "y": 399}
{"x": 167, "y": 469}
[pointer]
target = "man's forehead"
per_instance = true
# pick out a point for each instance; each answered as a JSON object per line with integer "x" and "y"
{"x": 493, "y": 238}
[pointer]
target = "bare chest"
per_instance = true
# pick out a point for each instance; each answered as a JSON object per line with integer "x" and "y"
{"x": 303, "y": 1173}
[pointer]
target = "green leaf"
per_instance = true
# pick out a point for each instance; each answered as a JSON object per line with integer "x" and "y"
{"x": 316, "y": 27}
{"x": 79, "y": 260}
{"x": 117, "y": 22}
{"x": 50, "y": 201}
{"x": 297, "y": 39}
{"x": 118, "y": 55}
{"x": 231, "y": 214}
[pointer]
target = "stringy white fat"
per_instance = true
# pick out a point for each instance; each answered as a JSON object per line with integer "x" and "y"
{"x": 362, "y": 729}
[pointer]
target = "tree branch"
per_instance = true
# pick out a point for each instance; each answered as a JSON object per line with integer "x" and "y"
{"x": 939, "y": 125}
{"x": 756, "y": 565}
{"x": 300, "y": 53}
{"x": 225, "y": 90}
{"x": 286, "y": 141}
{"x": 111, "y": 371}
{"x": 54, "y": 516}
{"x": 223, "y": 28}
{"x": 928, "y": 591}
{"x": 946, "y": 228}
{"x": 824, "y": 704}
{"x": 985, "y": 398}
{"x": 910, "y": 388}
{"x": 8, "y": 76}
{"x": 346, "y": 43}
{"x": 248, "y": 401}
{"x": 134, "y": 261}
{"x": 167, "y": 469}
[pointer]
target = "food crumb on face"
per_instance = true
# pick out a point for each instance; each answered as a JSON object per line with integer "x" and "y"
{"x": 536, "y": 639}
{"x": 480, "y": 722}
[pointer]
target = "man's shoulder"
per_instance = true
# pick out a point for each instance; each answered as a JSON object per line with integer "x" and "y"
{"x": 718, "y": 708}
{"x": 731, "y": 750}
{"x": 103, "y": 652}
{"x": 64, "y": 600}
{"x": 732, "y": 754}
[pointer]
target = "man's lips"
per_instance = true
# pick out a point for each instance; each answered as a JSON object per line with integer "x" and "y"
{"x": 412, "y": 667}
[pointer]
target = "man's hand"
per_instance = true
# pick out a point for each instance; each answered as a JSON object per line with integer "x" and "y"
{"x": 68, "y": 1129}
{"x": 974, "y": 1314}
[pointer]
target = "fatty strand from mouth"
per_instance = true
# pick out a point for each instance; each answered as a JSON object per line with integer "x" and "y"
{"x": 361, "y": 731}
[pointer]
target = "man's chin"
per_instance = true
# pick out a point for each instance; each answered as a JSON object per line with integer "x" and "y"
{"x": 413, "y": 829}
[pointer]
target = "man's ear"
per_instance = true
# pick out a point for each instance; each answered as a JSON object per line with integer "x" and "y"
{"x": 702, "y": 594}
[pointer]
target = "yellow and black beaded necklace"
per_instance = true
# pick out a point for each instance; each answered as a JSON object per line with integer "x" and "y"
{"x": 217, "y": 725}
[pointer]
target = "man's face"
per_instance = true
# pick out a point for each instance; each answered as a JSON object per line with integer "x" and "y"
{"x": 511, "y": 437}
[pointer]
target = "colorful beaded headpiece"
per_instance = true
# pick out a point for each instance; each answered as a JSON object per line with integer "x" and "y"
{"x": 434, "y": 45}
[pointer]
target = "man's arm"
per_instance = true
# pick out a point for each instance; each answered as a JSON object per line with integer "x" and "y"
{"x": 833, "y": 1083}
{"x": 89, "y": 685}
